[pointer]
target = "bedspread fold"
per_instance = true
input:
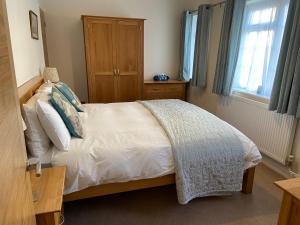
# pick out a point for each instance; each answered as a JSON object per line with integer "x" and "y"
{"x": 208, "y": 155}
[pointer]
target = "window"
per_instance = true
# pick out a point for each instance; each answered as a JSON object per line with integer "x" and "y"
{"x": 192, "y": 43}
{"x": 261, "y": 37}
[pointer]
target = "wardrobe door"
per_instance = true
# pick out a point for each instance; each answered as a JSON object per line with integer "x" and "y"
{"x": 100, "y": 56}
{"x": 129, "y": 41}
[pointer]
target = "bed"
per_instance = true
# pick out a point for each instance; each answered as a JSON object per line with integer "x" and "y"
{"x": 125, "y": 149}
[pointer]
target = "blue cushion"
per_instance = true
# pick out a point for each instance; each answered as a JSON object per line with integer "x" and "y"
{"x": 70, "y": 95}
{"x": 67, "y": 112}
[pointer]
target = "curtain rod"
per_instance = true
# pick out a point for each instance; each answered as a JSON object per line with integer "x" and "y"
{"x": 212, "y": 5}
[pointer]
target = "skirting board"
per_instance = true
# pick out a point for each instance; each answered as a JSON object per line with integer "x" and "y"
{"x": 277, "y": 167}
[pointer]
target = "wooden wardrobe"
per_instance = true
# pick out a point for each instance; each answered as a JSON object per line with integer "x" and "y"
{"x": 114, "y": 49}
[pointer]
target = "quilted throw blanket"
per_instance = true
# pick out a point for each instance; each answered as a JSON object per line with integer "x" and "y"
{"x": 207, "y": 153}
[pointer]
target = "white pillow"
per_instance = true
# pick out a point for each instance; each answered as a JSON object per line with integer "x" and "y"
{"x": 53, "y": 125}
{"x": 37, "y": 140}
{"x": 45, "y": 88}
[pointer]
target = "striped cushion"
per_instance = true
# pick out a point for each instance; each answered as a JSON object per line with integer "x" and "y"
{"x": 67, "y": 112}
{"x": 70, "y": 95}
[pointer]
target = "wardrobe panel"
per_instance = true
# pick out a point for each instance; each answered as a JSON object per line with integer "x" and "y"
{"x": 114, "y": 56}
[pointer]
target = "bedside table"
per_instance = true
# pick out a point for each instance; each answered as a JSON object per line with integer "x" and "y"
{"x": 48, "y": 190}
{"x": 290, "y": 206}
{"x": 171, "y": 89}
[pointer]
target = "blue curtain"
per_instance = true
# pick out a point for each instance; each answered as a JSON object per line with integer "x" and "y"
{"x": 285, "y": 96}
{"x": 186, "y": 31}
{"x": 229, "y": 46}
{"x": 201, "y": 47}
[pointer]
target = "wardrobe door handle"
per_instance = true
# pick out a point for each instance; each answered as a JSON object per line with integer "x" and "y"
{"x": 119, "y": 72}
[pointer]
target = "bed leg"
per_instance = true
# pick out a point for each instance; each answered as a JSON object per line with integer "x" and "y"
{"x": 248, "y": 180}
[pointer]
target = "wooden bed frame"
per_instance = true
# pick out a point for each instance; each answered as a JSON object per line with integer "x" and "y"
{"x": 27, "y": 90}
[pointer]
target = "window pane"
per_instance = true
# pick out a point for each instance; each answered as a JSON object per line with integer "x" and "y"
{"x": 262, "y": 16}
{"x": 193, "y": 38}
{"x": 261, "y": 39}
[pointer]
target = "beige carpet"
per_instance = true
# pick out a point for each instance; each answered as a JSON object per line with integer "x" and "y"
{"x": 158, "y": 206}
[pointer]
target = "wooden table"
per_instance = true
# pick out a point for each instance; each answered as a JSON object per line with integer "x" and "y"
{"x": 290, "y": 207}
{"x": 48, "y": 189}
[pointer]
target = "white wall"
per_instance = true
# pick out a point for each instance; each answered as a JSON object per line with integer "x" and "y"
{"x": 28, "y": 54}
{"x": 65, "y": 35}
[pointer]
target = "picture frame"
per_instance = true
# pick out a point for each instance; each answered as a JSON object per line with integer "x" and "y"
{"x": 34, "y": 25}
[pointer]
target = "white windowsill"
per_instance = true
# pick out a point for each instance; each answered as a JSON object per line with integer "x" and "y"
{"x": 250, "y": 96}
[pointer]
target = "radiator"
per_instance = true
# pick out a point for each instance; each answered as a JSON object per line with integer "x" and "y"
{"x": 273, "y": 133}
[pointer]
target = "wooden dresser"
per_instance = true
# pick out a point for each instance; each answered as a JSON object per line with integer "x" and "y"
{"x": 114, "y": 49}
{"x": 290, "y": 206}
{"x": 48, "y": 193}
{"x": 171, "y": 89}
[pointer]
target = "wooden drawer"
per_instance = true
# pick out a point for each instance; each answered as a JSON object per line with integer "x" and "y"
{"x": 164, "y": 88}
{"x": 160, "y": 90}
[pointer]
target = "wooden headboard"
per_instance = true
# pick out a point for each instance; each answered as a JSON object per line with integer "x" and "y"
{"x": 27, "y": 90}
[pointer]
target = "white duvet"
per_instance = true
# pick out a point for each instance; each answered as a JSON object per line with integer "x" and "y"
{"x": 123, "y": 142}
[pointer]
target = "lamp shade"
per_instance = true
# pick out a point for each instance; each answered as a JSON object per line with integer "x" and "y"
{"x": 51, "y": 74}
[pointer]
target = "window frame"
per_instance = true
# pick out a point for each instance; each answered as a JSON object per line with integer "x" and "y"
{"x": 267, "y": 26}
{"x": 248, "y": 95}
